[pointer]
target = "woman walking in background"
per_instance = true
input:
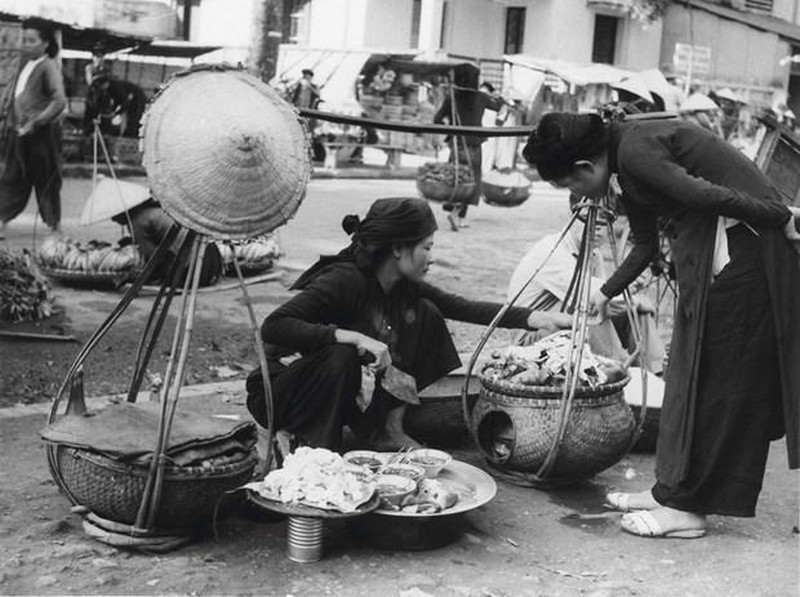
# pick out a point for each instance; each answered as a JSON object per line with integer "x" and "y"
{"x": 33, "y": 159}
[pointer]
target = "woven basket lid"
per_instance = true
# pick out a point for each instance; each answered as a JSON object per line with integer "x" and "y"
{"x": 225, "y": 155}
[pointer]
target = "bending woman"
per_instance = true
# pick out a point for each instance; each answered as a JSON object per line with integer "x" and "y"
{"x": 369, "y": 306}
{"x": 732, "y": 384}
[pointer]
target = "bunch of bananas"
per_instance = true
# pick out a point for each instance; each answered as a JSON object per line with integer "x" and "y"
{"x": 250, "y": 252}
{"x": 94, "y": 256}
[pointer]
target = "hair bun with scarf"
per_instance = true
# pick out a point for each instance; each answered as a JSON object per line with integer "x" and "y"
{"x": 391, "y": 221}
{"x": 350, "y": 224}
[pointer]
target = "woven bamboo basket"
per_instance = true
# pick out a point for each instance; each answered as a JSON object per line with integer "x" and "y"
{"x": 516, "y": 426}
{"x": 505, "y": 196}
{"x": 442, "y": 192}
{"x": 113, "y": 490}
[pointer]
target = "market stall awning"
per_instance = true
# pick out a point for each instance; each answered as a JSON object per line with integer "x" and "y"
{"x": 84, "y": 38}
{"x": 570, "y": 72}
{"x": 173, "y": 49}
{"x": 336, "y": 72}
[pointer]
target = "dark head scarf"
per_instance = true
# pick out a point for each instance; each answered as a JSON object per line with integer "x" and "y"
{"x": 391, "y": 221}
{"x": 561, "y": 139}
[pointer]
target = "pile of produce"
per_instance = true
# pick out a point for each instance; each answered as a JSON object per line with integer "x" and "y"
{"x": 318, "y": 478}
{"x": 257, "y": 253}
{"x": 445, "y": 173}
{"x": 544, "y": 364}
{"x": 24, "y": 292}
{"x": 62, "y": 253}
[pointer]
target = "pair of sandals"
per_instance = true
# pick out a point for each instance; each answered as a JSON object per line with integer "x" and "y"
{"x": 642, "y": 523}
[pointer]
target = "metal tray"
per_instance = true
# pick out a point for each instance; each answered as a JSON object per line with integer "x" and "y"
{"x": 309, "y": 511}
{"x": 473, "y": 486}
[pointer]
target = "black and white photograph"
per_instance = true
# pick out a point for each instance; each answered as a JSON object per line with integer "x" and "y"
{"x": 403, "y": 298}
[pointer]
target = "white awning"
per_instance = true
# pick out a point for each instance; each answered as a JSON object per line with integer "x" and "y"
{"x": 572, "y": 73}
{"x": 335, "y": 71}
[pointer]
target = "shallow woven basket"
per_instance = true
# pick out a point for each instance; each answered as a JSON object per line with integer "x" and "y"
{"x": 598, "y": 432}
{"x": 224, "y": 154}
{"x": 113, "y": 490}
{"x": 441, "y": 192}
{"x": 504, "y": 196}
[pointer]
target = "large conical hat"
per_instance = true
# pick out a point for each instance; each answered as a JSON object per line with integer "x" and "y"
{"x": 225, "y": 155}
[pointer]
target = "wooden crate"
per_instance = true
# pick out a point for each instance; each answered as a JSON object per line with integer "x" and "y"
{"x": 779, "y": 158}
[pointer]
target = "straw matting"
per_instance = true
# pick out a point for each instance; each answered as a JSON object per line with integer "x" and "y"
{"x": 225, "y": 155}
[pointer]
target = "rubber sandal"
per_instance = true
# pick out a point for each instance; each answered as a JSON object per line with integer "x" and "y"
{"x": 644, "y": 524}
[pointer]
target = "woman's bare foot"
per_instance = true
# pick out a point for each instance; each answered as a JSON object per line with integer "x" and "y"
{"x": 626, "y": 502}
{"x": 392, "y": 441}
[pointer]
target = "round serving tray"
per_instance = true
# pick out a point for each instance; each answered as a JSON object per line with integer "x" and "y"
{"x": 309, "y": 511}
{"x": 473, "y": 486}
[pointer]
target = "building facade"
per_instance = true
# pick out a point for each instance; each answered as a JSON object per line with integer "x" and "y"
{"x": 741, "y": 44}
{"x": 581, "y": 31}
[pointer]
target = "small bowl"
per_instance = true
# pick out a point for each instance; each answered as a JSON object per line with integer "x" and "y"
{"x": 414, "y": 472}
{"x": 366, "y": 458}
{"x": 433, "y": 461}
{"x": 393, "y": 489}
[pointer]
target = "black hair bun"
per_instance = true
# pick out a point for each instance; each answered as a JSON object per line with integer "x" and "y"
{"x": 560, "y": 139}
{"x": 350, "y": 224}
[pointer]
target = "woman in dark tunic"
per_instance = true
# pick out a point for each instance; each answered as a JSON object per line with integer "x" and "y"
{"x": 368, "y": 304}
{"x": 733, "y": 381}
{"x": 33, "y": 156}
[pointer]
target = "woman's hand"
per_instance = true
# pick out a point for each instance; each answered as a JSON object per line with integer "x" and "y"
{"x": 25, "y": 129}
{"x": 365, "y": 345}
{"x": 790, "y": 230}
{"x": 549, "y": 321}
{"x": 598, "y": 305}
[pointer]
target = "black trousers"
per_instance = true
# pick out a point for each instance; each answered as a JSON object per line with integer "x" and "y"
{"x": 315, "y": 396}
{"x": 738, "y": 410}
{"x": 33, "y": 162}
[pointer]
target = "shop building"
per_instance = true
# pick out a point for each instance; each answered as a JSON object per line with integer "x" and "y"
{"x": 745, "y": 45}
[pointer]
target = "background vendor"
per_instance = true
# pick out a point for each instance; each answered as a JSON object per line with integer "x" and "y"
{"x": 368, "y": 305}
{"x": 148, "y": 224}
{"x": 550, "y": 287}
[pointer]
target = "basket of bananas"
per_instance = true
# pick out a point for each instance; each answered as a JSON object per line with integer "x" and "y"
{"x": 439, "y": 181}
{"x": 255, "y": 256}
{"x": 93, "y": 262}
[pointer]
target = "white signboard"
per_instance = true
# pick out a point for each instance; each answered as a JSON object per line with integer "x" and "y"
{"x": 699, "y": 57}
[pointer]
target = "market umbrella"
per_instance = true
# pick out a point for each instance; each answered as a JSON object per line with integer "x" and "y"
{"x": 111, "y": 197}
{"x": 726, "y": 93}
{"x": 698, "y": 102}
{"x": 225, "y": 155}
{"x": 657, "y": 83}
{"x": 636, "y": 86}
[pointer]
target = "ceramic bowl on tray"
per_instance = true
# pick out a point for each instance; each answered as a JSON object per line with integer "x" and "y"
{"x": 366, "y": 458}
{"x": 433, "y": 461}
{"x": 393, "y": 489}
{"x": 414, "y": 472}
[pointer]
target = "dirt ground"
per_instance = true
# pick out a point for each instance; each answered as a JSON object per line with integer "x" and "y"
{"x": 525, "y": 542}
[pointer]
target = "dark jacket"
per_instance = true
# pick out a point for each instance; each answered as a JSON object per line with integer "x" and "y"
{"x": 348, "y": 297}
{"x": 688, "y": 177}
{"x": 43, "y": 98}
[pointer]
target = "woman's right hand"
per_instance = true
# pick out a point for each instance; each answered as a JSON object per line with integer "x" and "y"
{"x": 790, "y": 230}
{"x": 365, "y": 345}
